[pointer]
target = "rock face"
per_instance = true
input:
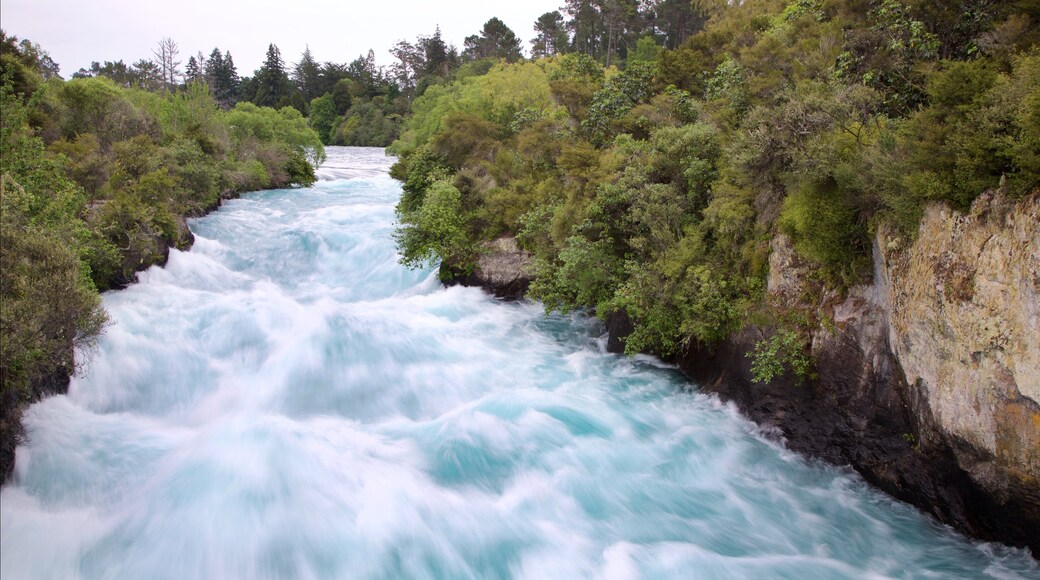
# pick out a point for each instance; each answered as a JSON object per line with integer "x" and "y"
{"x": 927, "y": 379}
{"x": 502, "y": 269}
{"x": 965, "y": 326}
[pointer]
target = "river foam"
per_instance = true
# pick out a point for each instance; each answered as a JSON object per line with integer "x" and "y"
{"x": 286, "y": 401}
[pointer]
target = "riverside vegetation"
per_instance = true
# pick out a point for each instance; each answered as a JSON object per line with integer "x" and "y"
{"x": 654, "y": 185}
{"x": 672, "y": 186}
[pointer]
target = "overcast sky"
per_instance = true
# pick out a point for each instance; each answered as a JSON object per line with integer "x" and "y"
{"x": 76, "y": 32}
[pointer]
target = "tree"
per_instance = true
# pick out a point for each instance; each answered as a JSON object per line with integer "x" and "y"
{"x": 306, "y": 76}
{"x": 411, "y": 60}
{"x": 368, "y": 77}
{"x": 271, "y": 80}
{"x": 436, "y": 57}
{"x": 166, "y": 62}
{"x": 675, "y": 20}
{"x": 24, "y": 64}
{"x": 323, "y": 117}
{"x": 193, "y": 71}
{"x": 552, "y": 35}
{"x": 619, "y": 23}
{"x": 585, "y": 26}
{"x": 495, "y": 40}
{"x": 222, "y": 78}
{"x": 146, "y": 74}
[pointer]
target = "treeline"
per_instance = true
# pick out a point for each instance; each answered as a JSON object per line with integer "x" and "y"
{"x": 650, "y": 165}
{"x": 355, "y": 103}
{"x": 96, "y": 180}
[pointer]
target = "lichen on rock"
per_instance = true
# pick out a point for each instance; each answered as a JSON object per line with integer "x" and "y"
{"x": 502, "y": 268}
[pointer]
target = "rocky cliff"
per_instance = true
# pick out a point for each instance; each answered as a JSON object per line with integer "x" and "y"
{"x": 927, "y": 379}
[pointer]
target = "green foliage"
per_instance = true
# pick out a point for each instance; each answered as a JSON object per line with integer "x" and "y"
{"x": 365, "y": 125}
{"x": 647, "y": 50}
{"x": 822, "y": 220}
{"x": 286, "y": 126}
{"x": 619, "y": 94}
{"x": 495, "y": 41}
{"x": 497, "y": 97}
{"x": 323, "y": 117}
{"x": 586, "y": 274}
{"x": 656, "y": 189}
{"x": 784, "y": 351}
{"x": 435, "y": 230}
{"x": 420, "y": 171}
{"x": 727, "y": 89}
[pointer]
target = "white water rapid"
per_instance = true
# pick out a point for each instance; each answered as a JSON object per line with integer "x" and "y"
{"x": 286, "y": 401}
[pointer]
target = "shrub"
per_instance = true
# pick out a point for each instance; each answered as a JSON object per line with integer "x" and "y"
{"x": 774, "y": 356}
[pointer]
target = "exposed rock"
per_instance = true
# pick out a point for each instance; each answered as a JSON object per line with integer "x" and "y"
{"x": 503, "y": 269}
{"x": 965, "y": 326}
{"x": 619, "y": 325}
{"x": 12, "y": 433}
{"x": 927, "y": 379}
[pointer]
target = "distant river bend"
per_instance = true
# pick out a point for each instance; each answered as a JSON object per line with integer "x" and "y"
{"x": 286, "y": 401}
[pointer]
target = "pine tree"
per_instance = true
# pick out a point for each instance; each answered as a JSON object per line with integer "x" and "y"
{"x": 436, "y": 55}
{"x": 229, "y": 82}
{"x": 222, "y": 78}
{"x": 496, "y": 40}
{"x": 306, "y": 76}
{"x": 552, "y": 35}
{"x": 271, "y": 80}
{"x": 193, "y": 71}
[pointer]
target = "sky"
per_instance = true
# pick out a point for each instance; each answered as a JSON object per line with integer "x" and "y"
{"x": 76, "y": 32}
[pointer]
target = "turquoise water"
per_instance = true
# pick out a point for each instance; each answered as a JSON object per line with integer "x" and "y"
{"x": 285, "y": 401}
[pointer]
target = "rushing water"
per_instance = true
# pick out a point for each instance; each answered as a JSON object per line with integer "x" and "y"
{"x": 286, "y": 401}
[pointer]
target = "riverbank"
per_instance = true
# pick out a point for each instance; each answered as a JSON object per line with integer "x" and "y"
{"x": 923, "y": 440}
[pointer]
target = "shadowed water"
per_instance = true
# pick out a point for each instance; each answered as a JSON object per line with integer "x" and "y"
{"x": 286, "y": 401}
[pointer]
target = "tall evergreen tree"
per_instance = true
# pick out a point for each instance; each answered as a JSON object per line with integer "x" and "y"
{"x": 271, "y": 80}
{"x": 436, "y": 55}
{"x": 620, "y": 27}
{"x": 193, "y": 71}
{"x": 222, "y": 78}
{"x": 585, "y": 25}
{"x": 229, "y": 82}
{"x": 306, "y": 76}
{"x": 496, "y": 40}
{"x": 552, "y": 35}
{"x": 146, "y": 74}
{"x": 673, "y": 21}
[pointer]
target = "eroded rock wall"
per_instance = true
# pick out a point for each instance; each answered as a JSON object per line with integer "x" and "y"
{"x": 965, "y": 327}
{"x": 927, "y": 377}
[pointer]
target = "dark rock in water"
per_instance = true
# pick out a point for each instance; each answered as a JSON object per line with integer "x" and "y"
{"x": 502, "y": 269}
{"x": 12, "y": 433}
{"x": 855, "y": 413}
{"x": 619, "y": 326}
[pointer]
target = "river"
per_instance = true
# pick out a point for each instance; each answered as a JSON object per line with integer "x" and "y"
{"x": 286, "y": 401}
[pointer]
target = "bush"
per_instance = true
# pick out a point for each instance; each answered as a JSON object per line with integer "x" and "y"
{"x": 783, "y": 351}
{"x": 436, "y": 230}
{"x": 824, "y": 224}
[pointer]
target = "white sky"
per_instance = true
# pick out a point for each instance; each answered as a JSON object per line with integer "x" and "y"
{"x": 76, "y": 32}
